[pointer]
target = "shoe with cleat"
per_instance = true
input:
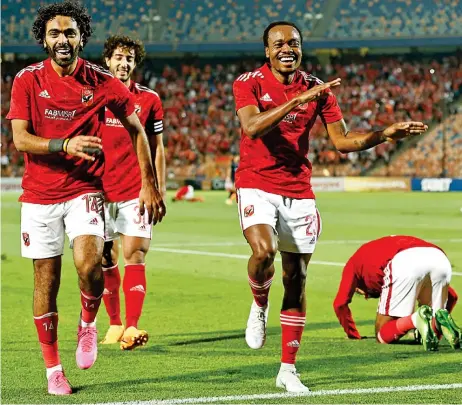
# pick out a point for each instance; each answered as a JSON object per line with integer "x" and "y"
{"x": 451, "y": 332}
{"x": 133, "y": 338}
{"x": 424, "y": 326}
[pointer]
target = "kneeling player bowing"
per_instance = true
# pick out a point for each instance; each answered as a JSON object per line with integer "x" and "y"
{"x": 277, "y": 105}
{"x": 400, "y": 270}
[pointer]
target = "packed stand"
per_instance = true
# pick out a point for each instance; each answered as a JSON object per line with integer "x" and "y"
{"x": 396, "y": 19}
{"x": 201, "y": 126}
{"x": 427, "y": 159}
{"x": 234, "y": 20}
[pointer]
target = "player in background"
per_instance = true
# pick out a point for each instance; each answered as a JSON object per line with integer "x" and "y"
{"x": 55, "y": 109}
{"x": 277, "y": 104}
{"x": 230, "y": 179}
{"x": 400, "y": 270}
{"x": 122, "y": 182}
{"x": 186, "y": 193}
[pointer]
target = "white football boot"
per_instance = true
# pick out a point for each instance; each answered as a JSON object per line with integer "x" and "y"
{"x": 289, "y": 380}
{"x": 255, "y": 334}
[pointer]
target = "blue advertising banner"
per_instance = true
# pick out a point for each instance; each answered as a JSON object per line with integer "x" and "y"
{"x": 436, "y": 184}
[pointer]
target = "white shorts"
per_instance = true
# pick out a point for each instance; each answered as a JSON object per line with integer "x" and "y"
{"x": 124, "y": 218}
{"x": 407, "y": 273}
{"x": 43, "y": 227}
{"x": 190, "y": 193}
{"x": 296, "y": 221}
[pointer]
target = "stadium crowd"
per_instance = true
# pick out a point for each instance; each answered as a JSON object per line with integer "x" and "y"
{"x": 201, "y": 125}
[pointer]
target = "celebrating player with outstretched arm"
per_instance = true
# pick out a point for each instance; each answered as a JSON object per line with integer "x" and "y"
{"x": 400, "y": 270}
{"x": 277, "y": 105}
{"x": 56, "y": 106}
{"x": 122, "y": 55}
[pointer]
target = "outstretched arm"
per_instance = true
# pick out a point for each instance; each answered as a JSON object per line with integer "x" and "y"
{"x": 344, "y": 296}
{"x": 351, "y": 141}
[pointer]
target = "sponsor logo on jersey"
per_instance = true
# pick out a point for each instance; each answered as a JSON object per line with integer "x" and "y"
{"x": 266, "y": 97}
{"x": 290, "y": 118}
{"x": 248, "y": 211}
{"x": 26, "y": 238}
{"x": 44, "y": 94}
{"x": 138, "y": 109}
{"x": 63, "y": 115}
{"x": 87, "y": 96}
{"x": 113, "y": 122}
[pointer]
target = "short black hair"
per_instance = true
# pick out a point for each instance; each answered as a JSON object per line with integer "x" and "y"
{"x": 274, "y": 24}
{"x": 116, "y": 41}
{"x": 68, "y": 8}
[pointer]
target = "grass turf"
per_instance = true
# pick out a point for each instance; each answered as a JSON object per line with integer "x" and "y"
{"x": 197, "y": 306}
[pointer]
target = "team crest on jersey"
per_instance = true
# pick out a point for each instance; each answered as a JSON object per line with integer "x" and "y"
{"x": 248, "y": 211}
{"x": 87, "y": 96}
{"x": 26, "y": 239}
{"x": 138, "y": 109}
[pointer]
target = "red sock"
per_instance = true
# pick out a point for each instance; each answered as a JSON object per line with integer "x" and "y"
{"x": 47, "y": 330}
{"x": 260, "y": 291}
{"x": 438, "y": 333}
{"x": 111, "y": 296}
{"x": 90, "y": 306}
{"x": 452, "y": 299}
{"x": 135, "y": 290}
{"x": 292, "y": 324}
{"x": 396, "y": 329}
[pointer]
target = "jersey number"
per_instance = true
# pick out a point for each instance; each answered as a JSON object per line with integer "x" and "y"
{"x": 91, "y": 202}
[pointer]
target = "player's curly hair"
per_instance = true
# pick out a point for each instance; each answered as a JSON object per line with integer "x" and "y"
{"x": 274, "y": 24}
{"x": 116, "y": 41}
{"x": 68, "y": 8}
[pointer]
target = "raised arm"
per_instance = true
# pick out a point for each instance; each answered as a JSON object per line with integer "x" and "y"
{"x": 257, "y": 124}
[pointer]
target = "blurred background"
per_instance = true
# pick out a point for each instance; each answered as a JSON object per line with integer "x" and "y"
{"x": 398, "y": 60}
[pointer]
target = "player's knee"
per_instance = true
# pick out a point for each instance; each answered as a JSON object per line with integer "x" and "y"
{"x": 136, "y": 255}
{"x": 264, "y": 252}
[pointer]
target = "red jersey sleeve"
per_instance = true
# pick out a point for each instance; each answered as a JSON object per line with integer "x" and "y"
{"x": 330, "y": 110}
{"x": 119, "y": 99}
{"x": 154, "y": 124}
{"x": 344, "y": 296}
{"x": 20, "y": 104}
{"x": 245, "y": 92}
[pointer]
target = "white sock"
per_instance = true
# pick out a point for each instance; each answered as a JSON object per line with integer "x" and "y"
{"x": 87, "y": 324}
{"x": 287, "y": 367}
{"x": 414, "y": 318}
{"x": 51, "y": 370}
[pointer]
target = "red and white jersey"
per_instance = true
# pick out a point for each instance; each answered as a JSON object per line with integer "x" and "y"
{"x": 63, "y": 107}
{"x": 122, "y": 177}
{"x": 365, "y": 270}
{"x": 278, "y": 161}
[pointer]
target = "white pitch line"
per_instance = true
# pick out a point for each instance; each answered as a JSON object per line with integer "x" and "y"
{"x": 229, "y": 255}
{"x": 243, "y": 257}
{"x": 320, "y": 242}
{"x": 320, "y": 393}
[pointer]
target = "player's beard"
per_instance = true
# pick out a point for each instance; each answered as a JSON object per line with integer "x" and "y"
{"x": 63, "y": 60}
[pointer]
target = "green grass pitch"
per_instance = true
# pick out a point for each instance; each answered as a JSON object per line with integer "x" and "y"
{"x": 197, "y": 305}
